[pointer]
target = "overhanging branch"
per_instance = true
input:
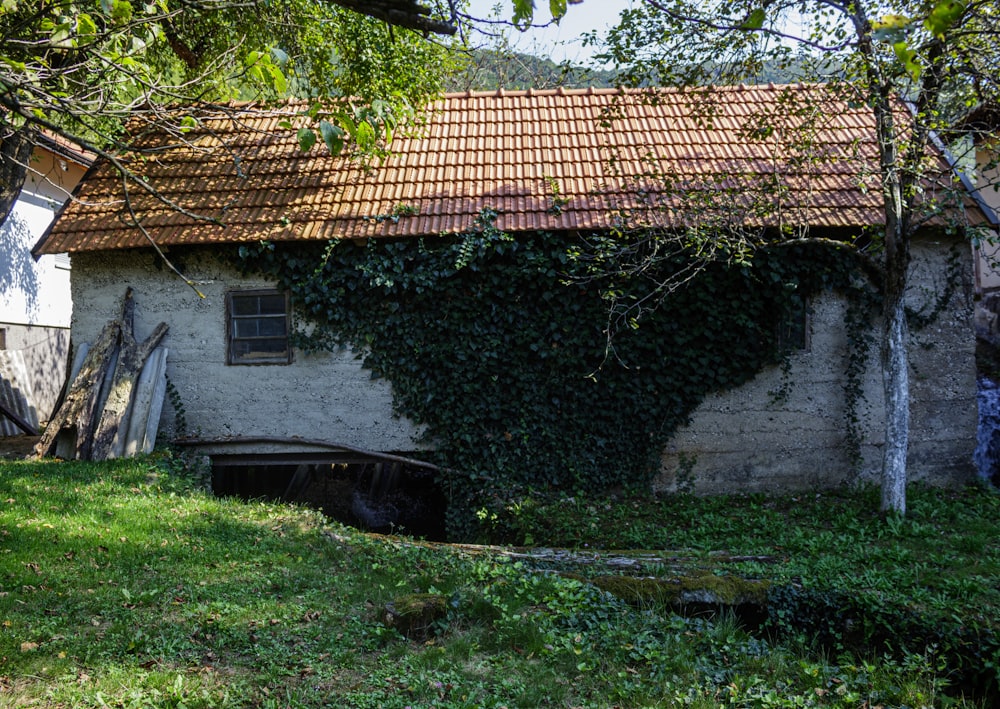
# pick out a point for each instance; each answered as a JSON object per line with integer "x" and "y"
{"x": 401, "y": 13}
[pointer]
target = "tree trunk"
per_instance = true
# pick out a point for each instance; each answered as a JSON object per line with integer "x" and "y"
{"x": 896, "y": 386}
{"x": 15, "y": 152}
{"x": 895, "y": 339}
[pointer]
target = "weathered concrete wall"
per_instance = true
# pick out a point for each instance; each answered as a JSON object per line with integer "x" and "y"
{"x": 747, "y": 440}
{"x": 325, "y": 396}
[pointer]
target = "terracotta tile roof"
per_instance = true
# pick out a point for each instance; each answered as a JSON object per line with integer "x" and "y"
{"x": 548, "y": 160}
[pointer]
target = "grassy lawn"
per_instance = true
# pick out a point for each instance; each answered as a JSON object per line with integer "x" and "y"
{"x": 123, "y": 585}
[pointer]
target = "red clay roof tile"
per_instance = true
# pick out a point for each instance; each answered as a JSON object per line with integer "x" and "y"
{"x": 499, "y": 150}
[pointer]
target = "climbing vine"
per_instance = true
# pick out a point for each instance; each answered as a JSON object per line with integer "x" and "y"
{"x": 495, "y": 346}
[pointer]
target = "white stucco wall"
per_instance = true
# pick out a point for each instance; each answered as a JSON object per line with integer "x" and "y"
{"x": 987, "y": 179}
{"x": 34, "y": 292}
{"x": 326, "y": 396}
{"x": 745, "y": 440}
{"x": 35, "y": 301}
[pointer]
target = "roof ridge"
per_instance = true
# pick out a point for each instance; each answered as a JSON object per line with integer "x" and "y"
{"x": 532, "y": 92}
{"x": 593, "y": 90}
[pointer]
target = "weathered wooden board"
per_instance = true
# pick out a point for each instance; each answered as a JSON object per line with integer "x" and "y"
{"x": 147, "y": 403}
{"x": 109, "y": 436}
{"x": 93, "y": 421}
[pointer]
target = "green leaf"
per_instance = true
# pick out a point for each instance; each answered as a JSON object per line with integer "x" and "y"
{"x": 85, "y": 26}
{"x": 944, "y": 15}
{"x": 121, "y": 12}
{"x": 755, "y": 21}
{"x": 333, "y": 136}
{"x": 891, "y": 28}
{"x": 524, "y": 10}
{"x": 60, "y": 36}
{"x": 307, "y": 139}
{"x": 365, "y": 136}
{"x": 279, "y": 56}
{"x": 278, "y": 82}
{"x": 907, "y": 56}
{"x": 188, "y": 123}
{"x": 557, "y": 8}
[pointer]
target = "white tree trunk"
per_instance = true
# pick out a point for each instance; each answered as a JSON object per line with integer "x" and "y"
{"x": 896, "y": 384}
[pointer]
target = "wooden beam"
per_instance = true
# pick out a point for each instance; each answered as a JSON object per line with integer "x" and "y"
{"x": 20, "y": 422}
{"x": 312, "y": 442}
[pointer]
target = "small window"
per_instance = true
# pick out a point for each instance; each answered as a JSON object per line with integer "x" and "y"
{"x": 3, "y": 338}
{"x": 258, "y": 324}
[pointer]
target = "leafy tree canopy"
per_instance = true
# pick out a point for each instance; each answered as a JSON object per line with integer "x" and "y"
{"x": 83, "y": 68}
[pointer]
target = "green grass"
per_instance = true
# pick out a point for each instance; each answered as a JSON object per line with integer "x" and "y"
{"x": 943, "y": 556}
{"x": 122, "y": 585}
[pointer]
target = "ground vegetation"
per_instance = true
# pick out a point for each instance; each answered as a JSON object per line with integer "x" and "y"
{"x": 125, "y": 584}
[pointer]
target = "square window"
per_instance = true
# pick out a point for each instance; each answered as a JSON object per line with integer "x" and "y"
{"x": 258, "y": 324}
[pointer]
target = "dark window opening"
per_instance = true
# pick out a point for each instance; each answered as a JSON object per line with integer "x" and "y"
{"x": 258, "y": 326}
{"x": 375, "y": 495}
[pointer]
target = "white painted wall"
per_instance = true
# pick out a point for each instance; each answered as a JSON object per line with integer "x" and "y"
{"x": 35, "y": 300}
{"x": 36, "y": 293}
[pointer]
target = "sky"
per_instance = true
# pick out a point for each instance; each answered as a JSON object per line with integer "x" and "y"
{"x": 560, "y": 42}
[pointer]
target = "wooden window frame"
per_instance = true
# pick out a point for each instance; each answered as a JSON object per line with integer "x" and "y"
{"x": 234, "y": 359}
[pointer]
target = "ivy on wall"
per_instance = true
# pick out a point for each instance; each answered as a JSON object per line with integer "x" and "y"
{"x": 494, "y": 345}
